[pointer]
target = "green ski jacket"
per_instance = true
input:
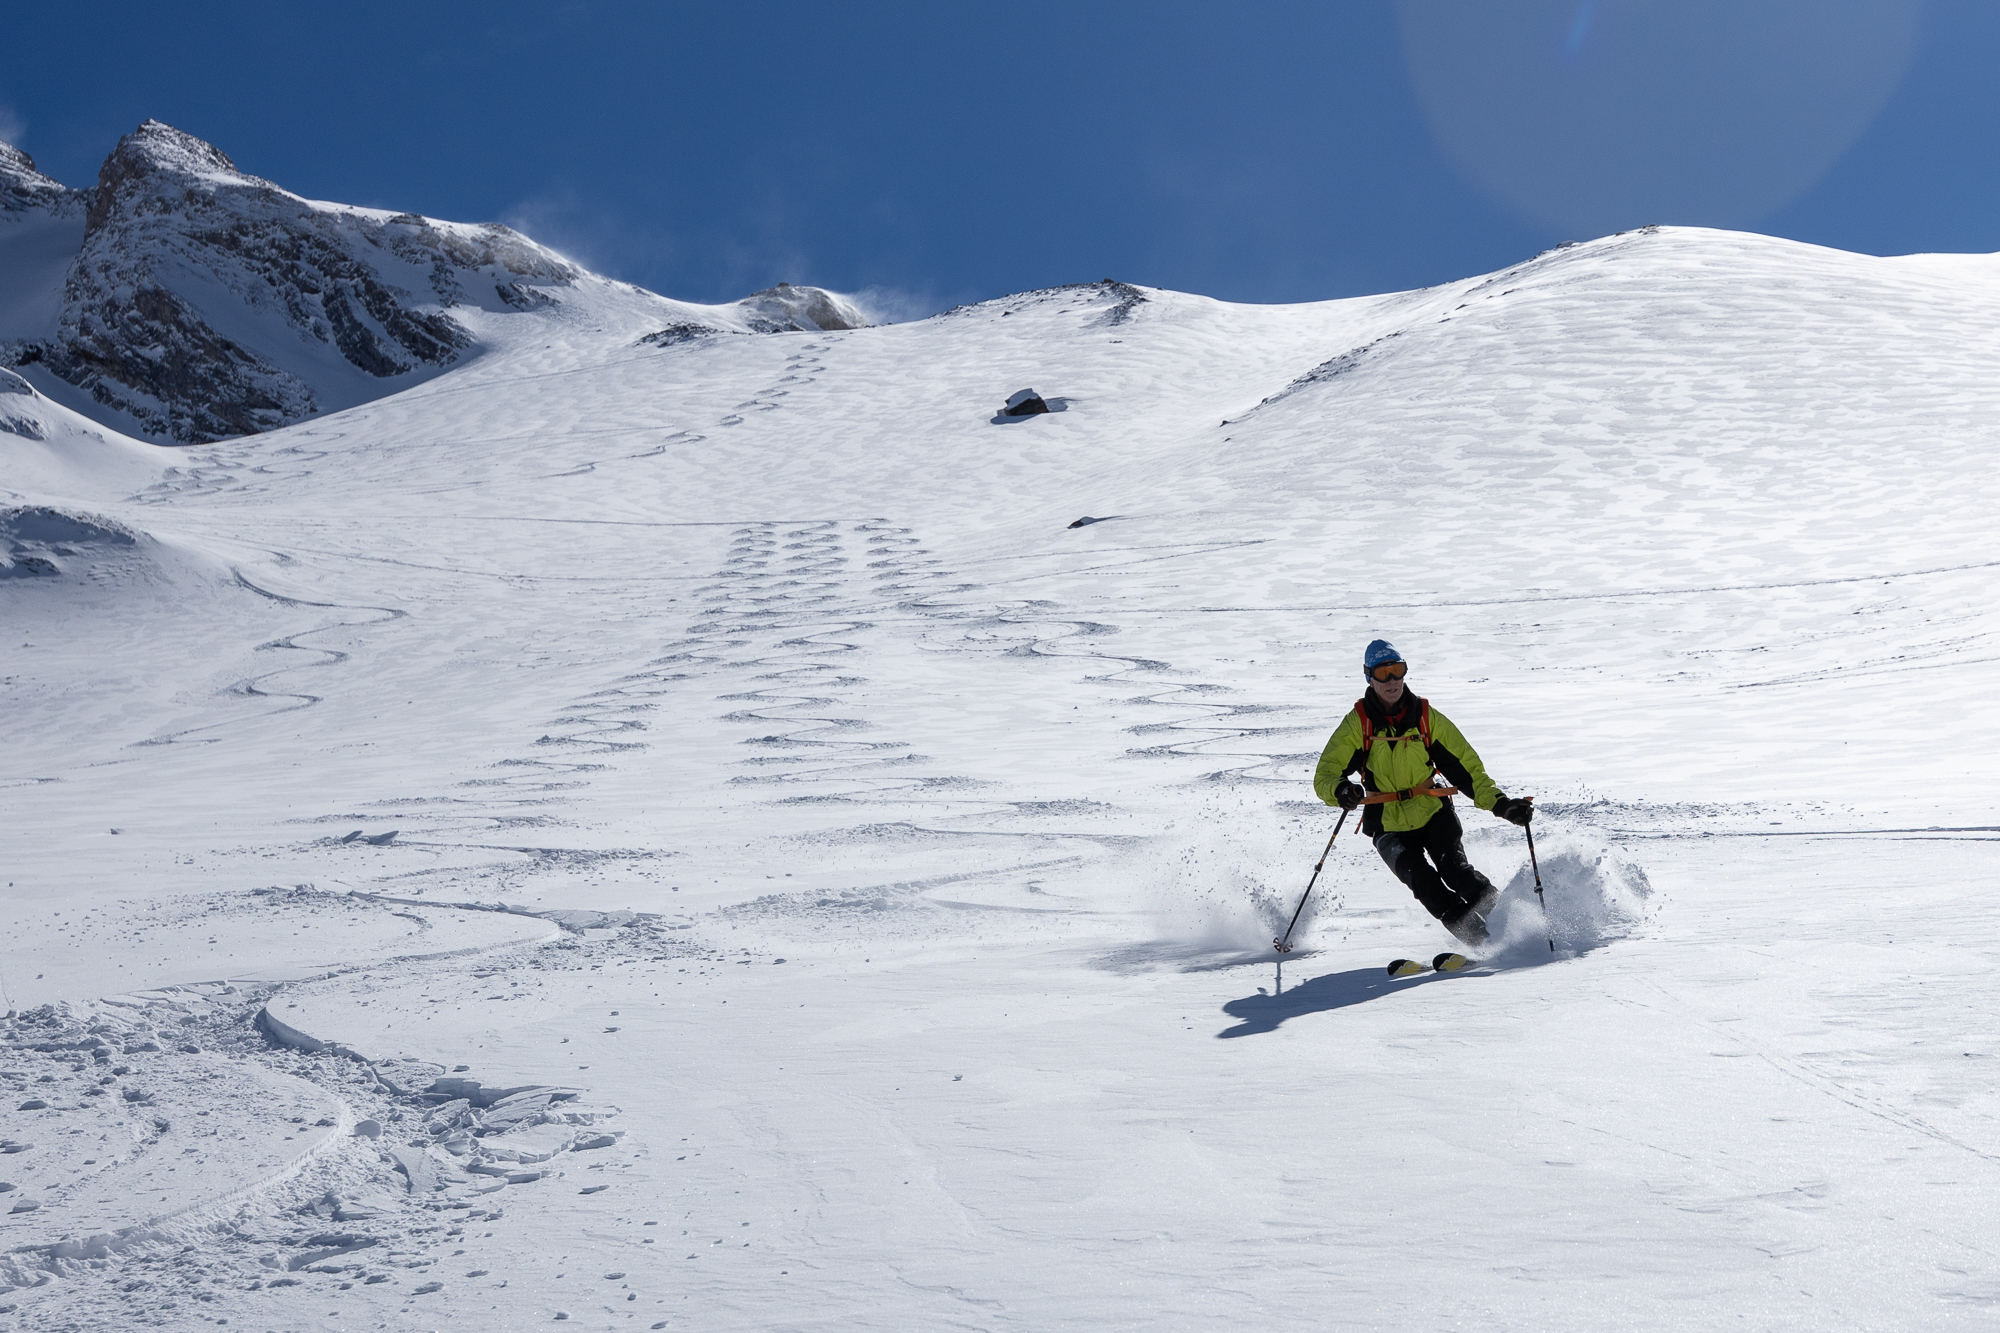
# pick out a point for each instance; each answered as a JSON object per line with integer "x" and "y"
{"x": 1398, "y": 760}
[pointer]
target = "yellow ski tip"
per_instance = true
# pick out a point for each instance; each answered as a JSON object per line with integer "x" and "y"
{"x": 1405, "y": 967}
{"x": 1450, "y": 962}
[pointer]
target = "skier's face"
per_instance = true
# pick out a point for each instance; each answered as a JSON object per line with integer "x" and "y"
{"x": 1389, "y": 692}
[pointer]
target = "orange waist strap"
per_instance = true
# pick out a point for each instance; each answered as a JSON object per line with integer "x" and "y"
{"x": 1383, "y": 798}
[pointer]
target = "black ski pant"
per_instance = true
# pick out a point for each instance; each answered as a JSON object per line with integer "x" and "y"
{"x": 1446, "y": 884}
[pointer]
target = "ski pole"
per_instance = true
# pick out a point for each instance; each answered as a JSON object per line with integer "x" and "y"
{"x": 1282, "y": 944}
{"x": 1538, "y": 887}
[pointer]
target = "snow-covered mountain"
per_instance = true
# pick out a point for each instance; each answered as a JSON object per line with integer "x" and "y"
{"x": 695, "y": 833}
{"x": 41, "y": 229}
{"x": 24, "y": 189}
{"x": 182, "y": 300}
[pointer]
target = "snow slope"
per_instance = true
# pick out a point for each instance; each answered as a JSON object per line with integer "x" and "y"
{"x": 47, "y": 450}
{"x": 915, "y": 853}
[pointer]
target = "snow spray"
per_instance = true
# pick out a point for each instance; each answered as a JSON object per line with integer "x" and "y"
{"x": 1590, "y": 897}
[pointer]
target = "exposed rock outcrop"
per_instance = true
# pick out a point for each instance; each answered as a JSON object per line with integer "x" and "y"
{"x": 780, "y": 309}
{"x": 686, "y": 331}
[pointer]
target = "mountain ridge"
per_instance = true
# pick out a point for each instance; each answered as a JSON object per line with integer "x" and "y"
{"x": 202, "y": 302}
{"x": 23, "y": 186}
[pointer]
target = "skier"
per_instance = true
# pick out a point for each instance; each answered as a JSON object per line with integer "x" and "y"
{"x": 1400, "y": 744}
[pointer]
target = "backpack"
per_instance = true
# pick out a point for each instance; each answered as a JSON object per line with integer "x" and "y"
{"x": 1429, "y": 788}
{"x": 1368, "y": 724}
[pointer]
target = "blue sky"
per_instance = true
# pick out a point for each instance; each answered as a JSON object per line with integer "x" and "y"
{"x": 936, "y": 154}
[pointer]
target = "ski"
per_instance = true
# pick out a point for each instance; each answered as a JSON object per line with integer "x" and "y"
{"x": 1444, "y": 962}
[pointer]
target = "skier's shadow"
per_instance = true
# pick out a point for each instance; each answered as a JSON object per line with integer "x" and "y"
{"x": 1336, "y": 990}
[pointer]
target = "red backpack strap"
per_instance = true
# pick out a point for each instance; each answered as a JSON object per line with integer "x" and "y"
{"x": 1424, "y": 721}
{"x": 1367, "y": 725}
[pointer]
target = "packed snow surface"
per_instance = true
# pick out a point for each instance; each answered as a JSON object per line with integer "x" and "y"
{"x": 692, "y": 833}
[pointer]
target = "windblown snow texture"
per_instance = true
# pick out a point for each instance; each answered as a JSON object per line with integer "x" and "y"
{"x": 683, "y": 832}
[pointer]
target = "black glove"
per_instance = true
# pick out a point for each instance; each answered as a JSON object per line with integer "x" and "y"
{"x": 1515, "y": 809}
{"x": 1347, "y": 795}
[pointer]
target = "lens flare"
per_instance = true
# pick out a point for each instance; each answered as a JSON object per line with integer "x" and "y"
{"x": 1616, "y": 113}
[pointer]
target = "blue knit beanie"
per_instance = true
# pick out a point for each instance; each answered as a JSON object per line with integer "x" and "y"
{"x": 1379, "y": 652}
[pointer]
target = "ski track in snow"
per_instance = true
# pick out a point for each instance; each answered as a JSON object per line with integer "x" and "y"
{"x": 877, "y": 876}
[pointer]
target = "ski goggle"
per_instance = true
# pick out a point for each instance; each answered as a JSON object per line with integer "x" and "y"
{"x": 1389, "y": 671}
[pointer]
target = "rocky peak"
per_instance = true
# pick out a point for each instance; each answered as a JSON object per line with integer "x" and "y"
{"x": 157, "y": 148}
{"x": 23, "y": 188}
{"x": 158, "y": 159}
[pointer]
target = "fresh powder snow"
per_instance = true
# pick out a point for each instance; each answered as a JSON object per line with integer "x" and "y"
{"x": 647, "y": 827}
